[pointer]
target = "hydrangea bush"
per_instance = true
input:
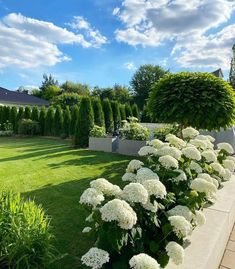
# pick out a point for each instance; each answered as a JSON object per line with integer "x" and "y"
{"x": 144, "y": 225}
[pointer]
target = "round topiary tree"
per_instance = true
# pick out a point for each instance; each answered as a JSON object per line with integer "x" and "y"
{"x": 49, "y": 121}
{"x": 27, "y": 112}
{"x": 116, "y": 115}
{"x": 135, "y": 111}
{"x": 98, "y": 112}
{"x": 13, "y": 118}
{"x": 122, "y": 112}
{"x": 128, "y": 110}
{"x": 67, "y": 121}
{"x": 200, "y": 100}
{"x": 85, "y": 123}
{"x": 42, "y": 119}
{"x": 74, "y": 118}
{"x": 108, "y": 116}
{"x": 35, "y": 113}
{"x": 58, "y": 121}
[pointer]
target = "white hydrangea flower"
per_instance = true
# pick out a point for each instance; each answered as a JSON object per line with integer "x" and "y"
{"x": 134, "y": 165}
{"x": 171, "y": 151}
{"x": 192, "y": 153}
{"x": 195, "y": 167}
{"x": 168, "y": 162}
{"x": 156, "y": 143}
{"x": 175, "y": 141}
{"x": 145, "y": 174}
{"x": 227, "y": 175}
{"x": 86, "y": 230}
{"x": 199, "y": 218}
{"x": 143, "y": 261}
{"x": 202, "y": 185}
{"x": 91, "y": 197}
{"x": 209, "y": 155}
{"x": 155, "y": 187}
{"x": 218, "y": 168}
{"x": 181, "y": 210}
{"x": 226, "y": 146}
{"x": 135, "y": 193}
{"x": 104, "y": 186}
{"x": 153, "y": 207}
{"x": 175, "y": 252}
{"x": 90, "y": 218}
{"x": 229, "y": 164}
{"x": 189, "y": 132}
{"x": 95, "y": 258}
{"x": 181, "y": 177}
{"x": 201, "y": 144}
{"x": 206, "y": 137}
{"x": 232, "y": 158}
{"x": 120, "y": 211}
{"x": 129, "y": 177}
{"x": 210, "y": 179}
{"x": 147, "y": 150}
{"x": 181, "y": 226}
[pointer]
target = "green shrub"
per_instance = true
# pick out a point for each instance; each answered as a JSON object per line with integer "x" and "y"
{"x": 42, "y": 120}
{"x": 74, "y": 118}
{"x": 98, "y": 112}
{"x": 6, "y": 129}
{"x": 116, "y": 115}
{"x": 67, "y": 99}
{"x": 196, "y": 99}
{"x": 35, "y": 114}
{"x": 135, "y": 111}
{"x": 84, "y": 124}
{"x": 108, "y": 116}
{"x": 5, "y": 114}
{"x": 128, "y": 111}
{"x": 28, "y": 127}
{"x": 98, "y": 131}
{"x": 122, "y": 112}
{"x": 49, "y": 121}
{"x": 13, "y": 118}
{"x": 25, "y": 237}
{"x": 20, "y": 113}
{"x": 145, "y": 117}
{"x": 58, "y": 122}
{"x": 161, "y": 133}
{"x": 67, "y": 122}
{"x": 27, "y": 112}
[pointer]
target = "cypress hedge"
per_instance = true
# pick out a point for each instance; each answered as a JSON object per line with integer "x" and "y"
{"x": 122, "y": 112}
{"x": 13, "y": 118}
{"x": 108, "y": 116}
{"x": 98, "y": 112}
{"x": 128, "y": 111}
{"x": 74, "y": 118}
{"x": 27, "y": 112}
{"x": 58, "y": 121}
{"x": 116, "y": 115}
{"x": 5, "y": 114}
{"x": 49, "y": 121}
{"x": 67, "y": 122}
{"x": 42, "y": 120}
{"x": 135, "y": 111}
{"x": 35, "y": 114}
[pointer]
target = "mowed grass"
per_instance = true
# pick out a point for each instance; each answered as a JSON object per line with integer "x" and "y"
{"x": 55, "y": 175}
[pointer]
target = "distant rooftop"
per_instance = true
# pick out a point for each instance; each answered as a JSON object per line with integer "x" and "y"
{"x": 17, "y": 98}
{"x": 218, "y": 73}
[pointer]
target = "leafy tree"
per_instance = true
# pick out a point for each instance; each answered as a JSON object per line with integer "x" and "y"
{"x": 13, "y": 118}
{"x": 128, "y": 110}
{"x": 85, "y": 123}
{"x": 122, "y": 112}
{"x": 35, "y": 113}
{"x": 98, "y": 112}
{"x": 74, "y": 118}
{"x": 67, "y": 99}
{"x": 48, "y": 81}
{"x": 58, "y": 121}
{"x": 27, "y": 112}
{"x": 78, "y": 88}
{"x": 199, "y": 100}
{"x": 116, "y": 115}
{"x": 143, "y": 80}
{"x": 135, "y": 111}
{"x": 108, "y": 116}
{"x": 49, "y": 121}
{"x": 36, "y": 92}
{"x": 42, "y": 120}
{"x": 50, "y": 92}
{"x": 67, "y": 121}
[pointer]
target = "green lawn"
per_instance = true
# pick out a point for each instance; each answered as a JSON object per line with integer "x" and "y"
{"x": 55, "y": 176}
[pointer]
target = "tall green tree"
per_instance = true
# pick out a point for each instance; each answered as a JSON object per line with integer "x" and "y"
{"x": 128, "y": 110}
{"x": 20, "y": 114}
{"x": 98, "y": 112}
{"x": 58, "y": 121}
{"x": 84, "y": 124}
{"x": 116, "y": 115}
{"x": 13, "y": 118}
{"x": 42, "y": 120}
{"x": 27, "y": 112}
{"x": 108, "y": 116}
{"x": 67, "y": 121}
{"x": 71, "y": 87}
{"x": 122, "y": 112}
{"x": 35, "y": 113}
{"x": 135, "y": 111}
{"x": 49, "y": 121}
{"x": 74, "y": 118}
{"x": 143, "y": 80}
{"x": 5, "y": 114}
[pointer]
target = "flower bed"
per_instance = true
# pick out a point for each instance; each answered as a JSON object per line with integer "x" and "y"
{"x": 144, "y": 225}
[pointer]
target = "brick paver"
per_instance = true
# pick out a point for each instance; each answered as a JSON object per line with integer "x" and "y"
{"x": 228, "y": 260}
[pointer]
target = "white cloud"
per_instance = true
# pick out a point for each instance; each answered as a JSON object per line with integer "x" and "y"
{"x": 30, "y": 43}
{"x": 151, "y": 23}
{"x": 129, "y": 66}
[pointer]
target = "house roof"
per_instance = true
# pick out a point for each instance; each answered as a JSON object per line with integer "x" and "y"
{"x": 218, "y": 73}
{"x": 18, "y": 98}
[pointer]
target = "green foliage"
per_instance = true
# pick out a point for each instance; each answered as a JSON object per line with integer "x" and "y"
{"x": 58, "y": 121}
{"x": 25, "y": 236}
{"x": 85, "y": 123}
{"x": 67, "y": 122}
{"x": 108, "y": 116}
{"x": 6, "y": 129}
{"x": 74, "y": 117}
{"x": 20, "y": 114}
{"x": 67, "y": 99}
{"x": 116, "y": 115}
{"x": 128, "y": 110}
{"x": 48, "y": 81}
{"x": 42, "y": 120}
{"x": 145, "y": 117}
{"x": 13, "y": 118}
{"x": 135, "y": 111}
{"x": 98, "y": 112}
{"x": 35, "y": 113}
{"x": 27, "y": 112}
{"x": 28, "y": 127}
{"x": 49, "y": 121}
{"x": 122, "y": 112}
{"x": 195, "y": 99}
{"x": 5, "y": 116}
{"x": 50, "y": 92}
{"x": 143, "y": 80}
{"x": 161, "y": 133}
{"x": 78, "y": 88}
{"x": 98, "y": 131}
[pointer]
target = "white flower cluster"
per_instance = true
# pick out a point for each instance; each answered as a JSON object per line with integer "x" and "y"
{"x": 189, "y": 132}
{"x": 200, "y": 144}
{"x": 229, "y": 164}
{"x": 129, "y": 177}
{"x": 218, "y": 168}
{"x": 202, "y": 185}
{"x": 105, "y": 187}
{"x": 147, "y": 150}
{"x": 120, "y": 211}
{"x": 155, "y": 187}
{"x": 181, "y": 226}
{"x": 156, "y": 143}
{"x": 134, "y": 165}
{"x": 135, "y": 193}
{"x": 181, "y": 177}
{"x": 175, "y": 252}
{"x": 171, "y": 151}
{"x": 145, "y": 174}
{"x": 199, "y": 218}
{"x": 209, "y": 155}
{"x": 175, "y": 141}
{"x": 86, "y": 230}
{"x": 195, "y": 167}
{"x": 95, "y": 258}
{"x": 181, "y": 210}
{"x": 210, "y": 179}
{"x": 226, "y": 147}
{"x": 168, "y": 162}
{"x": 143, "y": 261}
{"x": 192, "y": 153}
{"x": 91, "y": 197}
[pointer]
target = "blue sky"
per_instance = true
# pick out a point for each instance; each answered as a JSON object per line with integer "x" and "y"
{"x": 102, "y": 42}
